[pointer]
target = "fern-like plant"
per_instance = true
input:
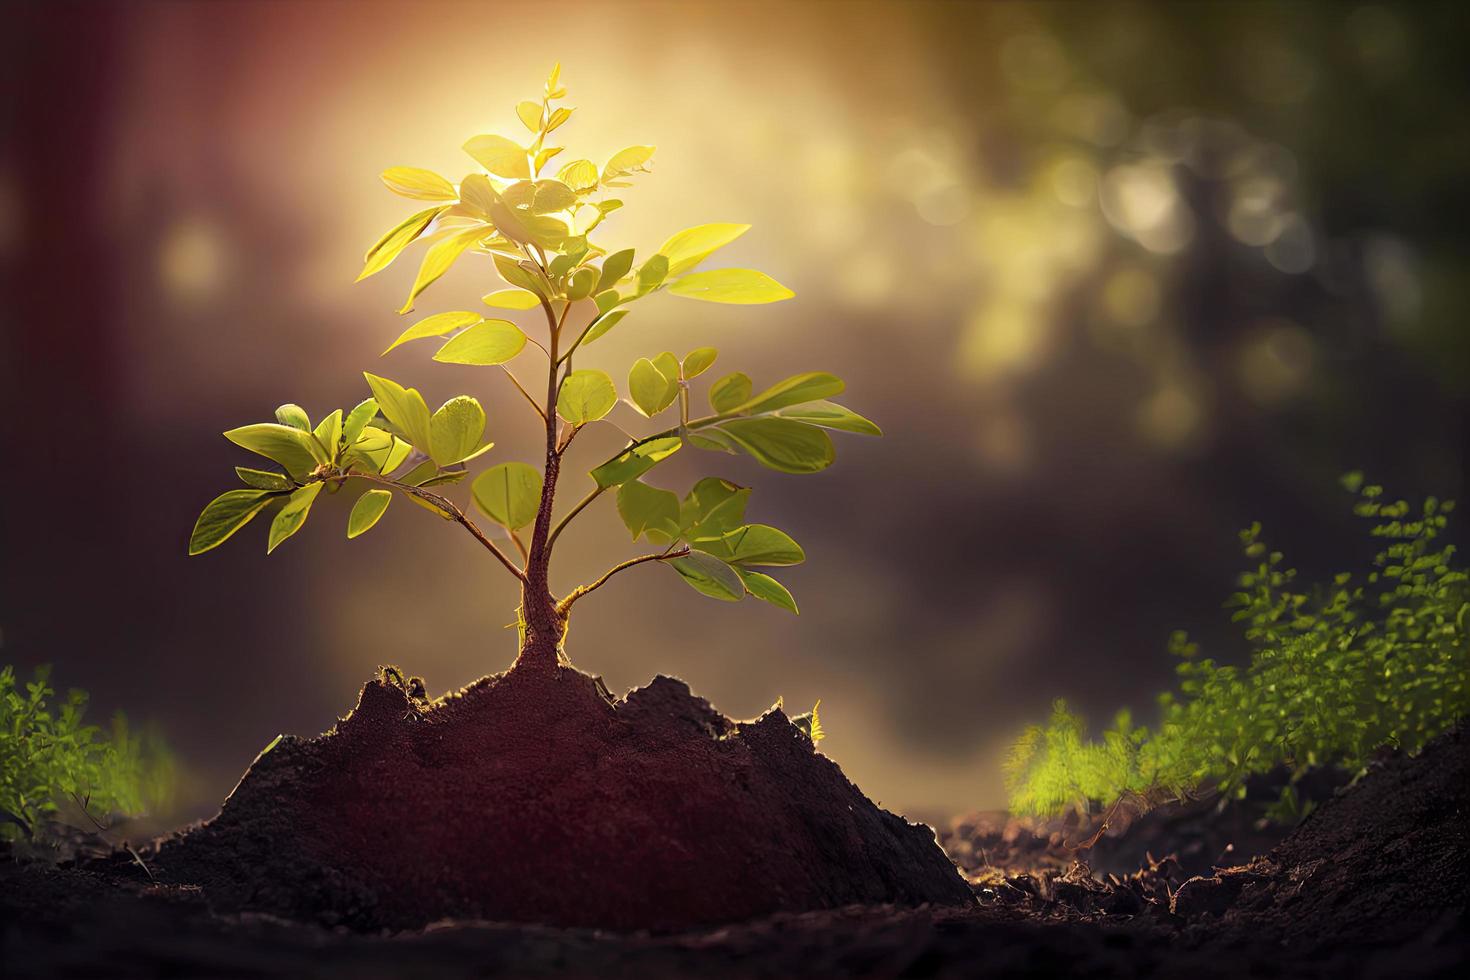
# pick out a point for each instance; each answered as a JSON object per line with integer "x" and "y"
{"x": 1335, "y": 673}
{"x": 542, "y": 237}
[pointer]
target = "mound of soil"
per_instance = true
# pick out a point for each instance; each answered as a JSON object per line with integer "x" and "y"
{"x": 536, "y": 797}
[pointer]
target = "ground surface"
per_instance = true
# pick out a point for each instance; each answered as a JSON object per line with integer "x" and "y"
{"x": 1373, "y": 884}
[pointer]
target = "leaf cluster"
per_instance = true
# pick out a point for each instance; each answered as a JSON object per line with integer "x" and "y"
{"x": 49, "y": 756}
{"x": 1336, "y": 672}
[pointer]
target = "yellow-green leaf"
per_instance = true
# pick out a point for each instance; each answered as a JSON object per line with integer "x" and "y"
{"x": 693, "y": 245}
{"x": 559, "y": 117}
{"x": 830, "y": 415}
{"x": 762, "y": 586}
{"x": 752, "y": 544}
{"x": 615, "y": 267}
{"x": 698, "y": 361}
{"x": 635, "y": 461}
{"x": 626, "y": 161}
{"x": 404, "y": 407}
{"x": 455, "y": 430}
{"x": 509, "y": 494}
{"x": 586, "y": 396}
{"x": 487, "y": 342}
{"x": 500, "y": 156}
{"x": 742, "y": 286}
{"x": 579, "y": 175}
{"x": 357, "y": 420}
{"x": 436, "y": 326}
{"x": 512, "y": 299}
{"x": 439, "y": 258}
{"x": 795, "y": 390}
{"x": 603, "y": 324}
{"x": 530, "y": 115}
{"x": 650, "y": 389}
{"x": 264, "y": 479}
{"x": 290, "y": 518}
{"x": 367, "y": 510}
{"x": 710, "y": 576}
{"x": 730, "y": 392}
{"x": 225, "y": 515}
{"x": 423, "y": 185}
{"x": 396, "y": 240}
{"x": 329, "y": 434}
{"x": 782, "y": 444}
{"x": 648, "y": 509}
{"x": 295, "y": 416}
{"x": 297, "y": 451}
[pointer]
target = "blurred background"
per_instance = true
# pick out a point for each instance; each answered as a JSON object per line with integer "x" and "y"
{"x": 1116, "y": 278}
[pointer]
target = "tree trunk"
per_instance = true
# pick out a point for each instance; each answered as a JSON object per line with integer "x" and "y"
{"x": 543, "y": 623}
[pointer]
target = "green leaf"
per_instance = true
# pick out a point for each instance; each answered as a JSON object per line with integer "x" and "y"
{"x": 404, "y": 407}
{"x": 651, "y": 390}
{"x": 627, "y": 161}
{"x": 552, "y": 195}
{"x": 225, "y": 515}
{"x": 652, "y": 274}
{"x": 830, "y": 415}
{"x": 693, "y": 245}
{"x": 357, "y": 420}
{"x": 297, "y": 451}
{"x": 603, "y": 324}
{"x": 329, "y": 433}
{"x": 607, "y": 300}
{"x": 586, "y": 396}
{"x": 438, "y": 259}
{"x": 794, "y": 390}
{"x": 614, "y": 268}
{"x": 518, "y": 275}
{"x": 436, "y": 326}
{"x": 263, "y": 479}
{"x": 582, "y": 283}
{"x": 744, "y": 286}
{"x": 712, "y": 507}
{"x": 487, "y": 342}
{"x": 455, "y": 430}
{"x": 762, "y": 586}
{"x": 512, "y": 299}
{"x": 753, "y": 544}
{"x": 290, "y": 518}
{"x": 644, "y": 508}
{"x": 509, "y": 494}
{"x": 715, "y": 441}
{"x": 367, "y": 510}
{"x": 635, "y": 461}
{"x": 710, "y": 575}
{"x": 729, "y": 393}
{"x": 500, "y": 156}
{"x": 698, "y": 361}
{"x": 424, "y": 185}
{"x": 399, "y": 237}
{"x": 295, "y": 416}
{"x": 782, "y": 444}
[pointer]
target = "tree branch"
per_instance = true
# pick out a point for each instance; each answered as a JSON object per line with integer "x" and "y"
{"x": 581, "y": 505}
{"x": 534, "y": 406}
{"x": 581, "y": 590}
{"x": 447, "y": 506}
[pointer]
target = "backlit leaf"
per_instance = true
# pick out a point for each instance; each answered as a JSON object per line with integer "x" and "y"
{"x": 644, "y": 508}
{"x": 512, "y": 299}
{"x": 424, "y": 185}
{"x": 652, "y": 274}
{"x": 367, "y": 510}
{"x": 650, "y": 389}
{"x": 404, "y": 407}
{"x": 436, "y": 326}
{"x": 290, "y": 518}
{"x": 603, "y": 324}
{"x": 396, "y": 240}
{"x": 582, "y": 284}
{"x": 693, "y": 245}
{"x": 614, "y": 268}
{"x": 264, "y": 479}
{"x": 500, "y": 156}
{"x": 635, "y": 461}
{"x": 627, "y": 161}
{"x": 579, "y": 175}
{"x": 730, "y": 392}
{"x": 530, "y": 115}
{"x": 586, "y": 396}
{"x": 830, "y": 415}
{"x": 558, "y": 118}
{"x": 509, "y": 494}
{"x": 794, "y": 390}
{"x": 297, "y": 451}
{"x": 710, "y": 575}
{"x": 518, "y": 275}
{"x": 762, "y": 586}
{"x": 698, "y": 361}
{"x": 329, "y": 433}
{"x": 357, "y": 420}
{"x": 744, "y": 286}
{"x": 438, "y": 260}
{"x": 225, "y": 515}
{"x": 295, "y": 416}
{"x": 455, "y": 430}
{"x": 712, "y": 507}
{"x": 487, "y": 342}
{"x": 753, "y": 544}
{"x": 782, "y": 444}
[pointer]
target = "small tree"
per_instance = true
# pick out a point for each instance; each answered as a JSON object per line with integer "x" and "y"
{"x": 538, "y": 233}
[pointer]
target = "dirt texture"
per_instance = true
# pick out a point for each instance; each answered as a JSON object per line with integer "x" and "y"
{"x": 535, "y": 797}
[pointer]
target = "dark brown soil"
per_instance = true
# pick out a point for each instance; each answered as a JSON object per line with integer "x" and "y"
{"x": 535, "y": 797}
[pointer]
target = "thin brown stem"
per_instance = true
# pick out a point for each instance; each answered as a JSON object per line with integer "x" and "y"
{"x": 581, "y": 590}
{"x": 519, "y": 387}
{"x": 447, "y": 506}
{"x": 581, "y": 505}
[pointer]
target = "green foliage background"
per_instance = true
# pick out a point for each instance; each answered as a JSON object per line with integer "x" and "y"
{"x": 1336, "y": 672}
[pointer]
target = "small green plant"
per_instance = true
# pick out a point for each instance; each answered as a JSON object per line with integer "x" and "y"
{"x": 538, "y": 235}
{"x": 50, "y": 759}
{"x": 1335, "y": 673}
